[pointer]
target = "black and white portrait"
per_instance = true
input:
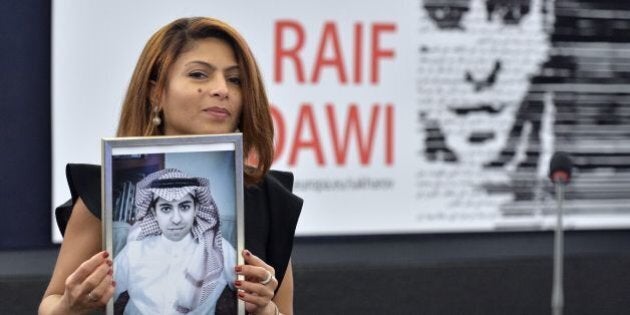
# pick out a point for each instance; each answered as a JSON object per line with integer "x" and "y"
{"x": 501, "y": 86}
{"x": 174, "y": 232}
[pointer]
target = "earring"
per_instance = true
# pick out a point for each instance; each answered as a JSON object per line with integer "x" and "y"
{"x": 156, "y": 120}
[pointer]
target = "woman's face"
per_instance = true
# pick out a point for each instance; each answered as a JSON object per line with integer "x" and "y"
{"x": 176, "y": 218}
{"x": 203, "y": 91}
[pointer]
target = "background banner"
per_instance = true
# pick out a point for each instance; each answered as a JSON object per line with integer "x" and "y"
{"x": 404, "y": 116}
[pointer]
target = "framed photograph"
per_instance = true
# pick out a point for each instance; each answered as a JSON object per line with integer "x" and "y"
{"x": 173, "y": 222}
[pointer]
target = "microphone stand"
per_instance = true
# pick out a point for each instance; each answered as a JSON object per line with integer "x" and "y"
{"x": 557, "y": 295}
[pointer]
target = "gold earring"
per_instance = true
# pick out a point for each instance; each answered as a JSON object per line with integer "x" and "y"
{"x": 156, "y": 120}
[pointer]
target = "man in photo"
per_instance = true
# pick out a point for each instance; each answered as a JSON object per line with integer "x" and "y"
{"x": 176, "y": 260}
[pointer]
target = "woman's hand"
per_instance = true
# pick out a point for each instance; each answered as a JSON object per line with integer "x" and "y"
{"x": 90, "y": 286}
{"x": 259, "y": 285}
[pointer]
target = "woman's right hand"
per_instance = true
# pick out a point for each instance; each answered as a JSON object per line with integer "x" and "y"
{"x": 90, "y": 286}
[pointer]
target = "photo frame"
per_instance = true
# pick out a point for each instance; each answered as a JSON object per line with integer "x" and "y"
{"x": 173, "y": 223}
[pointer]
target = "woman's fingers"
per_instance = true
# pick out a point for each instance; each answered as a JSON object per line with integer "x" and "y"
{"x": 255, "y": 295}
{"x": 104, "y": 290}
{"x": 96, "y": 278}
{"x": 256, "y": 270}
{"x": 108, "y": 293}
{"x": 253, "y": 277}
{"x": 257, "y": 300}
{"x": 86, "y": 269}
{"x": 256, "y": 274}
{"x": 254, "y": 287}
{"x": 256, "y": 267}
{"x": 251, "y": 259}
{"x": 260, "y": 282}
{"x": 89, "y": 286}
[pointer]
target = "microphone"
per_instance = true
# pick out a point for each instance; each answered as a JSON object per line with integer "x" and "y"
{"x": 560, "y": 168}
{"x": 560, "y": 174}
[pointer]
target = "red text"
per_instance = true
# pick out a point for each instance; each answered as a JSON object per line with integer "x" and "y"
{"x": 344, "y": 134}
{"x": 291, "y": 53}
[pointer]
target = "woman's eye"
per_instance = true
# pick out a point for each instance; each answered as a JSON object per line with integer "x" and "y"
{"x": 235, "y": 80}
{"x": 197, "y": 75}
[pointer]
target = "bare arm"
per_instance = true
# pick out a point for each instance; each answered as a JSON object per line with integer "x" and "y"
{"x": 284, "y": 296}
{"x": 80, "y": 269}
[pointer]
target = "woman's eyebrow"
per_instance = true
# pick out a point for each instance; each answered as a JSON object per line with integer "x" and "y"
{"x": 211, "y": 66}
{"x": 199, "y": 62}
{"x": 233, "y": 68}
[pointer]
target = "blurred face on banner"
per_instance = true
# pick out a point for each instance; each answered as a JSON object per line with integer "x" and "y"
{"x": 477, "y": 59}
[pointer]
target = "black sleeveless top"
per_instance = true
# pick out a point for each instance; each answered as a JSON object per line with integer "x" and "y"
{"x": 271, "y": 211}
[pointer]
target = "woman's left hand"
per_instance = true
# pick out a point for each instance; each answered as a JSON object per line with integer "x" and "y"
{"x": 257, "y": 290}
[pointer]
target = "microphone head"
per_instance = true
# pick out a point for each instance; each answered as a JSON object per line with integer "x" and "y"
{"x": 560, "y": 167}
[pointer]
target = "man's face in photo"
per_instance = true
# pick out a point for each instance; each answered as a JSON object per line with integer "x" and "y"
{"x": 476, "y": 61}
{"x": 176, "y": 217}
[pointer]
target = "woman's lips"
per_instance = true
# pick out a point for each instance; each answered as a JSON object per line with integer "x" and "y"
{"x": 217, "y": 112}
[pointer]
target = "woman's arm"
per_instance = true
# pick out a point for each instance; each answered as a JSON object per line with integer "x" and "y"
{"x": 284, "y": 296}
{"x": 81, "y": 280}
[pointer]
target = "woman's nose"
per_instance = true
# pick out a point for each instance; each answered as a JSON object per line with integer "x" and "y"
{"x": 219, "y": 86}
{"x": 483, "y": 81}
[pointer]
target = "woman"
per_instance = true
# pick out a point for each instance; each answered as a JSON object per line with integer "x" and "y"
{"x": 178, "y": 262}
{"x": 194, "y": 76}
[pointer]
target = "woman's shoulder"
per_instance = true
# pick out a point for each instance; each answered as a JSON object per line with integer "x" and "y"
{"x": 84, "y": 181}
{"x": 279, "y": 187}
{"x": 280, "y": 193}
{"x": 274, "y": 191}
{"x": 274, "y": 196}
{"x": 284, "y": 178}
